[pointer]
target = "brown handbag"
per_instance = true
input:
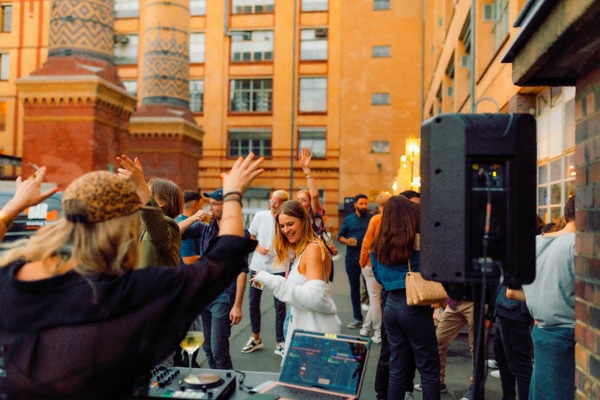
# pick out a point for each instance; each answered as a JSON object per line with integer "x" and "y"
{"x": 422, "y": 292}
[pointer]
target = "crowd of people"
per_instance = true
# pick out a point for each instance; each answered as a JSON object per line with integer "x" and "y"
{"x": 142, "y": 260}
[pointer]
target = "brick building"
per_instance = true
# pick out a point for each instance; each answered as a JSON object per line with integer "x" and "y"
{"x": 342, "y": 78}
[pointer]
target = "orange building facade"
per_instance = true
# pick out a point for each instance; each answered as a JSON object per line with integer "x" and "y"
{"x": 341, "y": 78}
{"x": 453, "y": 41}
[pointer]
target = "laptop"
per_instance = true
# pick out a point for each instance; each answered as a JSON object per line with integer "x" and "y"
{"x": 321, "y": 366}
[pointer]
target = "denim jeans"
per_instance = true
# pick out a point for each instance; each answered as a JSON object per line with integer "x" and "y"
{"x": 255, "y": 296}
{"x": 553, "y": 375}
{"x": 411, "y": 335}
{"x": 512, "y": 350}
{"x": 354, "y": 276}
{"x": 217, "y": 329}
{"x": 382, "y": 374}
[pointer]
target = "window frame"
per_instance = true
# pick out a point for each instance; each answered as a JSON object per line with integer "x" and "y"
{"x": 126, "y": 59}
{"x": 200, "y": 93}
{"x": 5, "y": 18}
{"x": 382, "y": 5}
{"x": 198, "y": 9}
{"x": 500, "y": 23}
{"x": 380, "y": 99}
{"x": 257, "y": 140}
{"x": 251, "y": 41}
{"x": 315, "y": 139}
{"x": 259, "y": 90}
{"x": 314, "y": 5}
{"x": 4, "y": 66}
{"x": 126, "y": 12}
{"x": 252, "y": 6}
{"x": 381, "y": 51}
{"x": 308, "y": 94}
{"x": 311, "y": 43}
{"x": 197, "y": 48}
{"x": 129, "y": 85}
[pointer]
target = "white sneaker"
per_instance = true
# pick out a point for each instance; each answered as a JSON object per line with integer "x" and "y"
{"x": 376, "y": 339}
{"x": 495, "y": 373}
{"x": 492, "y": 364}
{"x": 279, "y": 350}
{"x": 252, "y": 345}
{"x": 364, "y": 332}
{"x": 364, "y": 307}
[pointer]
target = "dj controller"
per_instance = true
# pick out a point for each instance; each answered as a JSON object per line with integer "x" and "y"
{"x": 174, "y": 383}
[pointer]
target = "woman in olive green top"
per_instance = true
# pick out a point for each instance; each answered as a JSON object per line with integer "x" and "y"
{"x": 160, "y": 238}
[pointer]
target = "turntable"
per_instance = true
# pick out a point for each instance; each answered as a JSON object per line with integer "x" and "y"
{"x": 173, "y": 383}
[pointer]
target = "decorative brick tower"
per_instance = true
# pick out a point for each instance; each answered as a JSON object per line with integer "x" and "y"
{"x": 163, "y": 132}
{"x": 76, "y": 110}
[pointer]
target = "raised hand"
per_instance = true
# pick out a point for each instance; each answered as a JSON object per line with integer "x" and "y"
{"x": 304, "y": 157}
{"x": 133, "y": 171}
{"x": 242, "y": 173}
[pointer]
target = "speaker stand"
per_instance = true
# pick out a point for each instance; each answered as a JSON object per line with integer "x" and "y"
{"x": 479, "y": 346}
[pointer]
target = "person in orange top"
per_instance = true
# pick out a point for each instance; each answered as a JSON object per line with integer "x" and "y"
{"x": 373, "y": 317}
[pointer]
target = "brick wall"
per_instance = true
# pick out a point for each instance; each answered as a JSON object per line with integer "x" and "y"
{"x": 587, "y": 259}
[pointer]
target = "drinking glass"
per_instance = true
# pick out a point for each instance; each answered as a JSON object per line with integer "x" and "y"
{"x": 192, "y": 342}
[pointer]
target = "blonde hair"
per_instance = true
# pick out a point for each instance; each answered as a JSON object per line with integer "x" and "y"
{"x": 382, "y": 198}
{"x": 110, "y": 246}
{"x": 281, "y": 245}
{"x": 281, "y": 194}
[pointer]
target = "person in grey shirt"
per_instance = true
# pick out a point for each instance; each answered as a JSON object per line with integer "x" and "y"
{"x": 551, "y": 302}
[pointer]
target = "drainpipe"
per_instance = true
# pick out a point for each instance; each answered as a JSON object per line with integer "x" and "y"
{"x": 293, "y": 108}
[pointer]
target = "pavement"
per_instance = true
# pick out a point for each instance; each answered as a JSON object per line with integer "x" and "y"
{"x": 458, "y": 369}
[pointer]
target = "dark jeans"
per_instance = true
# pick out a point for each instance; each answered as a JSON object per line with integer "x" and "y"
{"x": 254, "y": 296}
{"x": 354, "y": 277}
{"x": 512, "y": 350}
{"x": 217, "y": 329}
{"x": 382, "y": 374}
{"x": 411, "y": 334}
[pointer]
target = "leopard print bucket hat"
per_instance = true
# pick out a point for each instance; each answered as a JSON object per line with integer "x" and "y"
{"x": 99, "y": 196}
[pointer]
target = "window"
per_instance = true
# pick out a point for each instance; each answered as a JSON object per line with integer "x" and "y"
{"x": 3, "y": 106}
{"x": 198, "y": 7}
{"x": 252, "y": 46}
{"x": 313, "y": 94}
{"x": 313, "y": 139}
{"x": 196, "y": 95}
{"x": 380, "y": 98}
{"x": 252, "y": 6}
{"x": 313, "y": 44}
{"x": 243, "y": 141}
{"x": 4, "y": 66}
{"x": 380, "y": 146}
{"x": 127, "y": 8}
{"x": 500, "y": 28}
{"x": 126, "y": 49}
{"x": 6, "y": 18}
{"x": 197, "y": 47}
{"x": 381, "y": 5}
{"x": 314, "y": 5}
{"x": 556, "y": 183}
{"x": 131, "y": 87}
{"x": 251, "y": 95}
{"x": 381, "y": 51}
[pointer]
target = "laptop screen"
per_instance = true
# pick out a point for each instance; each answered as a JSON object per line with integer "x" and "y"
{"x": 327, "y": 361}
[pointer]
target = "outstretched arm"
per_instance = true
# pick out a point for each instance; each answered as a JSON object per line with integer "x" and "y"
{"x": 315, "y": 203}
{"x": 235, "y": 183}
{"x": 27, "y": 193}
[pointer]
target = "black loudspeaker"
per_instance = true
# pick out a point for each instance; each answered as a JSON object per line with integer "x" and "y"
{"x": 478, "y": 171}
